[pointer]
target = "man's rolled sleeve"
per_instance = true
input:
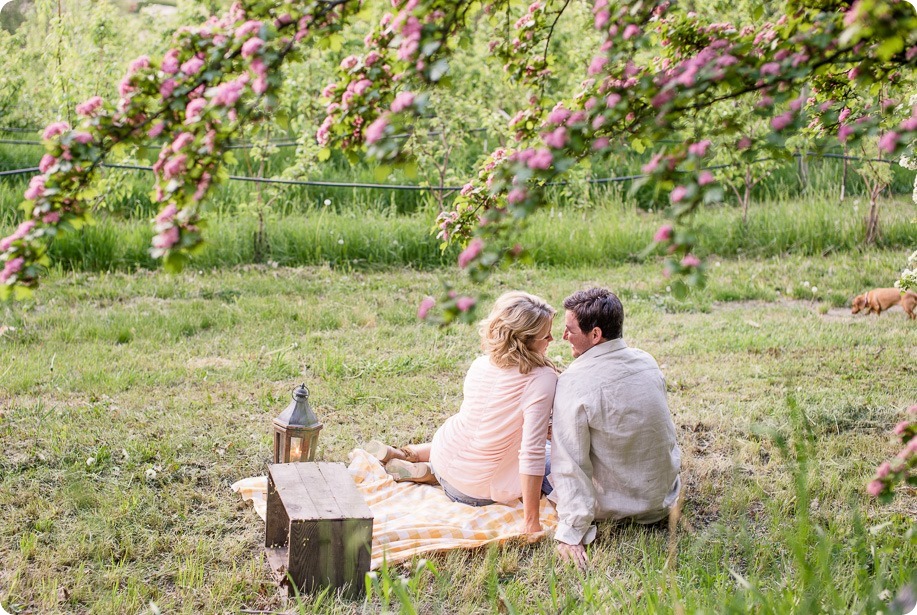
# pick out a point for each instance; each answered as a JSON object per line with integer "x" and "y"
{"x": 571, "y": 469}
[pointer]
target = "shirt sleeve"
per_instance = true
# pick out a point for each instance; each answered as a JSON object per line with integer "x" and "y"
{"x": 571, "y": 469}
{"x": 536, "y": 403}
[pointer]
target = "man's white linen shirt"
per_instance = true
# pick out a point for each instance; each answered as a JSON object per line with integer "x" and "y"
{"x": 613, "y": 454}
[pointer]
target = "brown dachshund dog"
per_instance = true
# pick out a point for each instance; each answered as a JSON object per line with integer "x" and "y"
{"x": 880, "y": 299}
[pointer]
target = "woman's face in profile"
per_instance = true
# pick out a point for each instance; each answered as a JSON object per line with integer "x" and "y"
{"x": 541, "y": 341}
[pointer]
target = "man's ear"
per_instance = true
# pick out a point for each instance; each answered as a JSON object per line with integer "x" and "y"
{"x": 595, "y": 335}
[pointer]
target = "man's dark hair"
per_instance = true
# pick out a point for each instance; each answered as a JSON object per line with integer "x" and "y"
{"x": 597, "y": 307}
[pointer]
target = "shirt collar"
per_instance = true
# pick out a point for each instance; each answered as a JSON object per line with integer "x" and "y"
{"x": 604, "y": 348}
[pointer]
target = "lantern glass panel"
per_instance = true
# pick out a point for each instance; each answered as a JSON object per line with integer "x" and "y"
{"x": 296, "y": 449}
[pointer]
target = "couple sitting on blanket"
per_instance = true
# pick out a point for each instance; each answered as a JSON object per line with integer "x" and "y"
{"x": 612, "y": 454}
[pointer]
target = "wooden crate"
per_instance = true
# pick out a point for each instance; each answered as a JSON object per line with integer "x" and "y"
{"x": 318, "y": 529}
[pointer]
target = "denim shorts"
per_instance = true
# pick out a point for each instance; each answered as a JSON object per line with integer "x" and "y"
{"x": 457, "y": 496}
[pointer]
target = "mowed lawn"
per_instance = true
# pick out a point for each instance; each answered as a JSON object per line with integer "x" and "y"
{"x": 130, "y": 403}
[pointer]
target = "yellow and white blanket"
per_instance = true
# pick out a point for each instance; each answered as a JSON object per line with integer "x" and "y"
{"x": 411, "y": 519}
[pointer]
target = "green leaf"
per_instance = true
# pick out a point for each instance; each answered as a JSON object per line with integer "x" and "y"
{"x": 382, "y": 172}
{"x": 229, "y": 158}
{"x": 679, "y": 290}
{"x": 410, "y": 170}
{"x": 335, "y": 42}
{"x": 22, "y": 292}
{"x": 324, "y": 154}
{"x": 638, "y": 146}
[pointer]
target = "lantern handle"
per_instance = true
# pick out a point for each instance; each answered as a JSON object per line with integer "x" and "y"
{"x": 304, "y": 388}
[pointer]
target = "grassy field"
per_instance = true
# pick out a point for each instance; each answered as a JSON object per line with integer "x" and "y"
{"x": 782, "y": 401}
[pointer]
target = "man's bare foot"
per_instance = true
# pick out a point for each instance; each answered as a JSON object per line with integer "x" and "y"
{"x": 573, "y": 553}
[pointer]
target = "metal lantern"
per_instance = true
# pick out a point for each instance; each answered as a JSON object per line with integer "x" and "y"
{"x": 296, "y": 430}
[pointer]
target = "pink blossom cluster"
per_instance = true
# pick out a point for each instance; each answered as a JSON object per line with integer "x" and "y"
{"x": 471, "y": 252}
{"x": 902, "y": 465}
{"x": 89, "y": 107}
{"x": 21, "y": 231}
{"x": 11, "y": 268}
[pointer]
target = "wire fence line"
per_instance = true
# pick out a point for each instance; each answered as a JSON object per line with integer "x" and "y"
{"x": 446, "y": 189}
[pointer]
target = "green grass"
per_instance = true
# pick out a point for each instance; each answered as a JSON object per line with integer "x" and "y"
{"x": 608, "y": 233}
{"x": 106, "y": 376}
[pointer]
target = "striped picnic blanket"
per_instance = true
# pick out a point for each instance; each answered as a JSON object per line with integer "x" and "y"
{"x": 410, "y": 519}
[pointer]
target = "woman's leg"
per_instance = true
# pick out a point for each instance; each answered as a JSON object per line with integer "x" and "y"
{"x": 405, "y": 471}
{"x": 385, "y": 453}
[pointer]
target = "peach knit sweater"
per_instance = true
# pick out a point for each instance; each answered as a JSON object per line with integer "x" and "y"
{"x": 499, "y": 432}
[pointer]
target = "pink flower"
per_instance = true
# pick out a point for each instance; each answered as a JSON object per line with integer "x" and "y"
{"x": 167, "y": 87}
{"x": 699, "y": 149}
{"x": 558, "y": 115}
{"x": 690, "y": 261}
{"x": 557, "y": 138}
{"x": 467, "y": 189}
{"x": 597, "y": 64}
{"x": 13, "y": 267}
{"x": 192, "y": 66}
{"x": 901, "y": 427}
{"x": 55, "y": 129}
{"x": 910, "y": 124}
{"x": 601, "y": 19}
{"x": 36, "y": 188}
{"x": 138, "y": 65}
{"x": 612, "y": 100}
{"x": 193, "y": 110}
{"x": 82, "y": 137}
{"x": 664, "y": 233}
{"x": 226, "y": 94}
{"x": 843, "y": 132}
{"x": 251, "y": 47}
{"x": 516, "y": 195}
{"x": 402, "y": 101}
{"x": 349, "y": 62}
{"x": 464, "y": 303}
{"x": 202, "y": 187}
{"x": 743, "y": 143}
{"x": 181, "y": 141}
{"x": 845, "y": 113}
{"x": 874, "y": 488}
{"x": 360, "y": 87}
{"x": 167, "y": 213}
{"x": 600, "y": 143}
{"x": 883, "y": 470}
{"x": 706, "y": 177}
{"x": 653, "y": 164}
{"x": 52, "y": 217}
{"x": 631, "y": 31}
{"x": 166, "y": 239}
{"x": 89, "y": 107}
{"x": 47, "y": 161}
{"x": 249, "y": 27}
{"x": 259, "y": 85}
{"x": 371, "y": 58}
{"x": 782, "y": 121}
{"x": 888, "y": 142}
{"x": 425, "y": 306}
{"x": 174, "y": 167}
{"x": 770, "y": 69}
{"x": 156, "y": 130}
{"x": 375, "y": 130}
{"x": 912, "y": 409}
{"x": 169, "y": 64}
{"x": 470, "y": 253}
{"x": 678, "y": 193}
{"x": 542, "y": 159}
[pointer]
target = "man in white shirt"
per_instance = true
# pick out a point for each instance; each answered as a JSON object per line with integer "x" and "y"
{"x": 613, "y": 454}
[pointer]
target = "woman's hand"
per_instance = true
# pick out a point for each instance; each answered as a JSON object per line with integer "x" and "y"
{"x": 533, "y": 526}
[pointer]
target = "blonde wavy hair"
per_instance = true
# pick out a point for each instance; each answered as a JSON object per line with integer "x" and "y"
{"x": 515, "y": 322}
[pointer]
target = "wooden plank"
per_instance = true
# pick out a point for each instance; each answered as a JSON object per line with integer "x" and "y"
{"x": 345, "y": 492}
{"x": 276, "y": 521}
{"x": 318, "y": 491}
{"x": 304, "y": 557}
{"x": 293, "y": 493}
{"x": 277, "y": 557}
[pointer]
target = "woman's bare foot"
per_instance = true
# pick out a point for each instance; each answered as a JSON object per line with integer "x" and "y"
{"x": 385, "y": 453}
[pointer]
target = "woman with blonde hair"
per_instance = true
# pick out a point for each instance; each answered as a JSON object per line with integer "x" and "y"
{"x": 493, "y": 450}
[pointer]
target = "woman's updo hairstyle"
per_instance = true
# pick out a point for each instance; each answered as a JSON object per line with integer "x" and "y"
{"x": 516, "y": 321}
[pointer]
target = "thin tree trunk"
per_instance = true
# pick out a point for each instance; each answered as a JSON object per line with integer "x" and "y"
{"x": 844, "y": 176}
{"x": 872, "y": 222}
{"x": 747, "y": 196}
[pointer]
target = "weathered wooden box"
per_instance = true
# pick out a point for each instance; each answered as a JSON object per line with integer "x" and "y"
{"x": 318, "y": 528}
